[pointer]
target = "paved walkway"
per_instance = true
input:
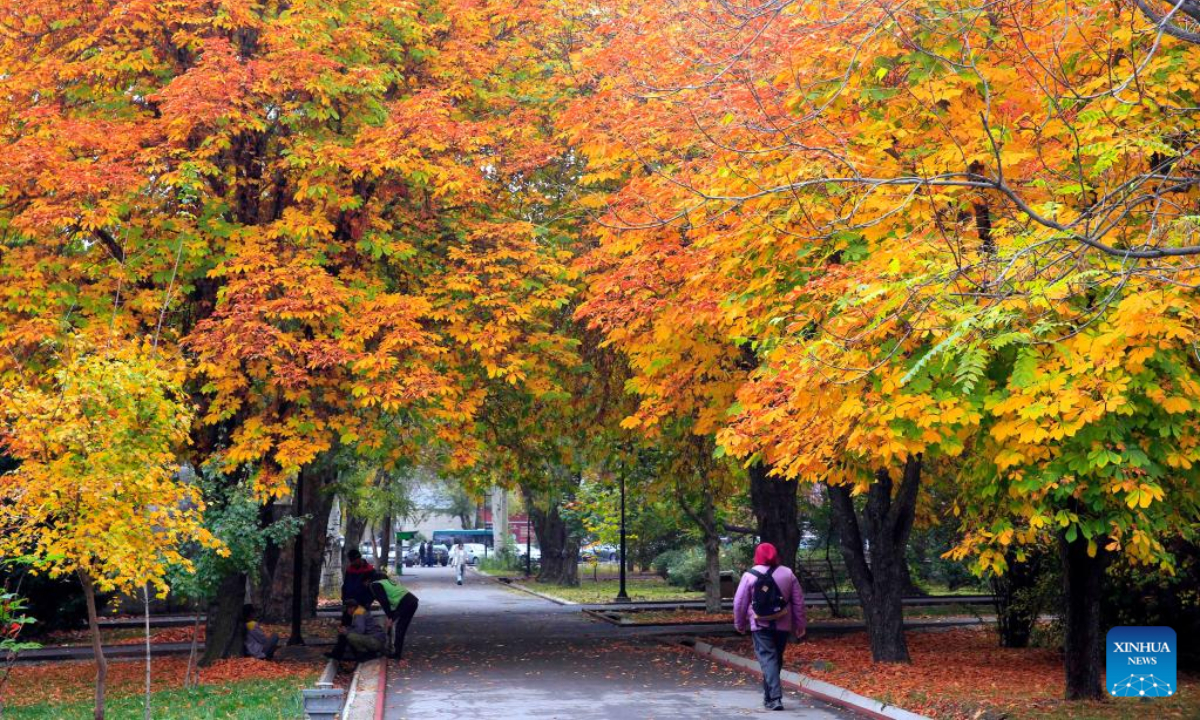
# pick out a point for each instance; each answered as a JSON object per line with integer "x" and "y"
{"x": 480, "y": 651}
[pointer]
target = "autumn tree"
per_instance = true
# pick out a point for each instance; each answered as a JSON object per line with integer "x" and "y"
{"x": 310, "y": 204}
{"x": 890, "y": 205}
{"x": 97, "y": 493}
{"x": 657, "y": 299}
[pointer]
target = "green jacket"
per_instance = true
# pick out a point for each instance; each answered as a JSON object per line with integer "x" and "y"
{"x": 389, "y": 593}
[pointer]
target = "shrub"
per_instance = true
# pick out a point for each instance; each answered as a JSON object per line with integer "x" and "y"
{"x": 688, "y": 570}
{"x": 663, "y": 562}
{"x": 504, "y": 563}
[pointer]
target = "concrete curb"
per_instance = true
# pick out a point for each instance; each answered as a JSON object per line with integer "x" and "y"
{"x": 329, "y": 673}
{"x": 361, "y": 697}
{"x": 819, "y": 689}
{"x": 381, "y": 690}
{"x": 822, "y": 628}
{"x": 351, "y": 694}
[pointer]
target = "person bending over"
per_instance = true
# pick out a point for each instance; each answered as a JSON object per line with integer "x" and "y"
{"x": 399, "y": 604}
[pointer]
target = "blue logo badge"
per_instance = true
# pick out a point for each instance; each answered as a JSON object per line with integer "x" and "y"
{"x": 1141, "y": 662}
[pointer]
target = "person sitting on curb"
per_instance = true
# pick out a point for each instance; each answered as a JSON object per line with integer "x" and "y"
{"x": 362, "y": 637}
{"x": 399, "y": 604}
{"x": 259, "y": 644}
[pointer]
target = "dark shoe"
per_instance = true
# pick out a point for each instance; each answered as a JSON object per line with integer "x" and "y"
{"x": 778, "y": 705}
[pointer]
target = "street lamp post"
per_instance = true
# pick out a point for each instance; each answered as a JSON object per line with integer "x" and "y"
{"x": 622, "y": 596}
{"x": 528, "y": 542}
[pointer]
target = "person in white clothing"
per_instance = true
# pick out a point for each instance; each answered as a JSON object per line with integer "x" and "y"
{"x": 458, "y": 559}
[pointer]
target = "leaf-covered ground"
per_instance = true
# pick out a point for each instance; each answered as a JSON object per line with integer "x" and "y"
{"x": 956, "y": 674}
{"x": 235, "y": 689}
{"x": 815, "y": 615}
{"x": 318, "y": 629}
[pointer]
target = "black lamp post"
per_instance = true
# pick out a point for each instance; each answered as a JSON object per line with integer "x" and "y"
{"x": 528, "y": 542}
{"x": 622, "y": 596}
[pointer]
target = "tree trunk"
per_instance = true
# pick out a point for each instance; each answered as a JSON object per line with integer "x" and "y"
{"x": 1083, "y": 584}
{"x": 355, "y": 529}
{"x": 275, "y": 593}
{"x": 884, "y": 529}
{"x": 385, "y": 550}
{"x": 1016, "y": 606}
{"x": 500, "y": 531}
{"x": 191, "y": 662}
{"x": 560, "y": 551}
{"x": 712, "y": 558}
{"x": 911, "y": 589}
{"x": 146, "y": 608}
{"x": 89, "y": 594}
{"x": 774, "y": 503}
{"x": 705, "y": 518}
{"x": 224, "y": 630}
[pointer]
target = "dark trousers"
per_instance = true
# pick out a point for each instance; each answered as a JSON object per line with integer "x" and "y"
{"x": 401, "y": 618}
{"x": 357, "y": 647}
{"x": 768, "y": 647}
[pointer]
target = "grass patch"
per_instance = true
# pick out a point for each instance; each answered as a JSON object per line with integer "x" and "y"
{"x": 239, "y": 688}
{"x": 604, "y": 591}
{"x": 500, "y": 566}
{"x": 246, "y": 700}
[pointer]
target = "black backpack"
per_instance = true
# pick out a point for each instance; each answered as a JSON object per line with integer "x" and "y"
{"x": 767, "y": 602}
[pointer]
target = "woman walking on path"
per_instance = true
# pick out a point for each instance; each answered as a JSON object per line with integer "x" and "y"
{"x": 770, "y": 603}
{"x": 458, "y": 559}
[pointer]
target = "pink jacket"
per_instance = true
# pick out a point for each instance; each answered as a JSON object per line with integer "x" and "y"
{"x": 789, "y": 586}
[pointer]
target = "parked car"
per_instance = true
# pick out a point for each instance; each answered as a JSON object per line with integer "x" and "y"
{"x": 475, "y": 552}
{"x": 535, "y": 552}
{"x": 598, "y": 552}
{"x": 412, "y": 557}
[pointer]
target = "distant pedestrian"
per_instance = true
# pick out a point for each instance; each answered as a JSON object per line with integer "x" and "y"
{"x": 458, "y": 559}
{"x": 359, "y": 637}
{"x": 770, "y": 603}
{"x": 358, "y": 574}
{"x": 258, "y": 644}
{"x": 426, "y": 554}
{"x": 399, "y": 604}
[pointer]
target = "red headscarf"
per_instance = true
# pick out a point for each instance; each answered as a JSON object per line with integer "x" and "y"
{"x": 765, "y": 554}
